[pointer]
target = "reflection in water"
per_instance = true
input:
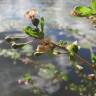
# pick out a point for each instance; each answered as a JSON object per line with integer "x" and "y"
{"x": 57, "y": 14}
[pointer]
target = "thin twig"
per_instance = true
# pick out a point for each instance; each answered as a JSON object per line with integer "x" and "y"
{"x": 63, "y": 47}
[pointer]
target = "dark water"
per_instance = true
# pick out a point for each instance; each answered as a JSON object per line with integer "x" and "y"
{"x": 58, "y": 19}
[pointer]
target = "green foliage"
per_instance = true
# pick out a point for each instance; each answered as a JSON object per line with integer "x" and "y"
{"x": 42, "y": 23}
{"x": 64, "y": 76}
{"x": 86, "y": 11}
{"x": 83, "y": 11}
{"x": 62, "y": 43}
{"x": 27, "y": 77}
{"x": 93, "y": 6}
{"x": 33, "y": 32}
{"x": 94, "y": 58}
{"x": 72, "y": 49}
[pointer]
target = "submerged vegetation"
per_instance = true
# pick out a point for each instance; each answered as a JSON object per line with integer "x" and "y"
{"x": 25, "y": 51}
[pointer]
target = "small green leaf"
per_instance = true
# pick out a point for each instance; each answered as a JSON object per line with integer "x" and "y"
{"x": 72, "y": 49}
{"x": 42, "y": 22}
{"x": 62, "y": 43}
{"x": 65, "y": 77}
{"x": 83, "y": 11}
{"x": 94, "y": 58}
{"x": 27, "y": 76}
{"x": 33, "y": 32}
{"x": 93, "y": 6}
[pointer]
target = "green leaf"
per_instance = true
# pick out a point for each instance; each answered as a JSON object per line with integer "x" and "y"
{"x": 94, "y": 58}
{"x": 33, "y": 32}
{"x": 93, "y": 6}
{"x": 72, "y": 49}
{"x": 42, "y": 22}
{"x": 83, "y": 11}
{"x": 65, "y": 77}
{"x": 62, "y": 43}
{"x": 27, "y": 76}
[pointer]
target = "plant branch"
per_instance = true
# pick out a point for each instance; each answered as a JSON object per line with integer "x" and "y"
{"x": 84, "y": 60}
